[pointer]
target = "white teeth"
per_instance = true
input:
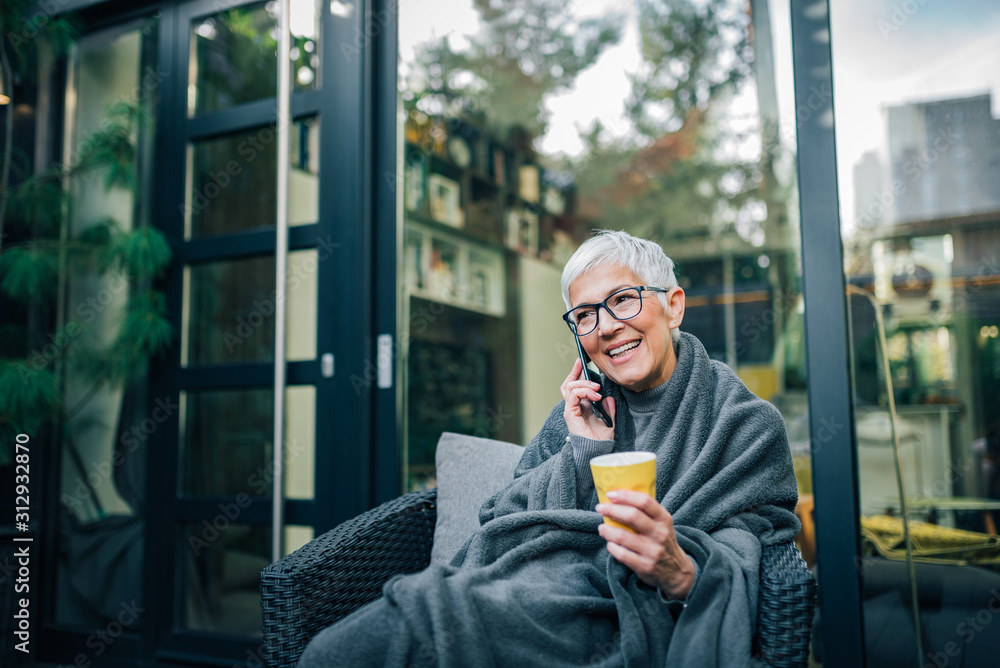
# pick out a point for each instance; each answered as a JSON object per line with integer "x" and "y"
{"x": 617, "y": 352}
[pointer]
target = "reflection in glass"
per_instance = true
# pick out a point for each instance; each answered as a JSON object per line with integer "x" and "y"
{"x": 919, "y": 168}
{"x": 227, "y": 448}
{"x": 233, "y": 54}
{"x": 305, "y": 25}
{"x": 668, "y": 120}
{"x": 231, "y": 183}
{"x": 229, "y": 312}
{"x": 303, "y": 177}
{"x": 233, "y": 58}
{"x": 300, "y": 442}
{"x": 302, "y": 305}
{"x": 219, "y": 564}
{"x": 231, "y": 180}
{"x": 226, "y": 445}
{"x": 105, "y": 428}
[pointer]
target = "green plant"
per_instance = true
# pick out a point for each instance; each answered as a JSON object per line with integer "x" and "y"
{"x": 40, "y": 338}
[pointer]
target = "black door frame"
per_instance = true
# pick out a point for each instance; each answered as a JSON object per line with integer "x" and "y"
{"x": 831, "y": 409}
{"x": 342, "y": 457}
{"x": 388, "y": 436}
{"x": 345, "y": 454}
{"x": 170, "y": 644}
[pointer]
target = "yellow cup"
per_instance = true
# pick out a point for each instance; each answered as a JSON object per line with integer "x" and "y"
{"x": 624, "y": 470}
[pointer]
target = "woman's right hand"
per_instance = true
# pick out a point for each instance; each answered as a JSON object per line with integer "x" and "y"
{"x": 580, "y": 417}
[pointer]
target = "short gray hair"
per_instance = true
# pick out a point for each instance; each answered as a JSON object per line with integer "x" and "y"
{"x": 642, "y": 257}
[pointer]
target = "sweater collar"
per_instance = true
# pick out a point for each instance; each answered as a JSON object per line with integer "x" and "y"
{"x": 648, "y": 400}
{"x": 690, "y": 353}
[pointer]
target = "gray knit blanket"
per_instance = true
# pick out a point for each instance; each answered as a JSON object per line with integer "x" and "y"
{"x": 536, "y": 586}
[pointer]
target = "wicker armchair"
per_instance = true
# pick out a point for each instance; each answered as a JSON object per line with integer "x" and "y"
{"x": 345, "y": 568}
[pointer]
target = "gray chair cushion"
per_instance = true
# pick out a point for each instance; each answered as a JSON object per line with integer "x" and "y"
{"x": 469, "y": 471}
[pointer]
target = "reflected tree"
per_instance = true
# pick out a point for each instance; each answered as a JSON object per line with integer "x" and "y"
{"x": 690, "y": 169}
{"x": 35, "y": 271}
{"x": 235, "y": 52}
{"x": 692, "y": 54}
{"x": 39, "y": 250}
{"x": 235, "y": 55}
{"x": 696, "y": 161}
{"x": 525, "y": 50}
{"x": 28, "y": 40}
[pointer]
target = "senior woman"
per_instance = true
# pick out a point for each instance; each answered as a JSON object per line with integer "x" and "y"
{"x": 544, "y": 581}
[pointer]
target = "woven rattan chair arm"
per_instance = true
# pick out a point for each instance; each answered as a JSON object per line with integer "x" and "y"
{"x": 785, "y": 607}
{"x": 338, "y": 572}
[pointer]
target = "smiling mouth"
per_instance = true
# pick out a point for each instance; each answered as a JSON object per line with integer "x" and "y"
{"x": 622, "y": 351}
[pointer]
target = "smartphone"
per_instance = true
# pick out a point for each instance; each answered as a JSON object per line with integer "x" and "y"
{"x": 598, "y": 408}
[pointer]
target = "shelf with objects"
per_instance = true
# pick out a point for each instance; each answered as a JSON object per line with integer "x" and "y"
{"x": 460, "y": 177}
{"x": 445, "y": 268}
{"x": 467, "y": 198}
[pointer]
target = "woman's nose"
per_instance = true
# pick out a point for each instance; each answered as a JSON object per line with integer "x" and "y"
{"x": 609, "y": 324}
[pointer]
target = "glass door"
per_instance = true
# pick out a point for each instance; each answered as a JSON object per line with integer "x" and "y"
{"x": 166, "y": 486}
{"x": 916, "y": 109}
{"x": 109, "y": 417}
{"x": 525, "y": 126}
{"x": 218, "y": 476}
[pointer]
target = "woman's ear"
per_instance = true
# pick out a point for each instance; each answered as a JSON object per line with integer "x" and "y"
{"x": 676, "y": 300}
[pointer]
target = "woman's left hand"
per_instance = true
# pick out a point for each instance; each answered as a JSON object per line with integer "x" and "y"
{"x": 652, "y": 551}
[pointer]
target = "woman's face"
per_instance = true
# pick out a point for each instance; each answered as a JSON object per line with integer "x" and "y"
{"x": 652, "y": 361}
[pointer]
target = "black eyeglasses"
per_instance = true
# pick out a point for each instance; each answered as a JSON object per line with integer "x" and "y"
{"x": 622, "y": 305}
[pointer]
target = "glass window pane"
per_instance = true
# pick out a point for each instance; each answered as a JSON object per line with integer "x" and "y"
{"x": 296, "y": 537}
{"x": 507, "y": 170}
{"x": 232, "y": 179}
{"x": 231, "y": 183}
{"x": 703, "y": 283}
{"x": 305, "y": 54}
{"x": 301, "y": 284}
{"x": 243, "y": 447}
{"x": 233, "y": 58}
{"x": 219, "y": 564}
{"x": 303, "y": 183}
{"x": 232, "y": 53}
{"x": 105, "y": 427}
{"x": 300, "y": 442}
{"x": 919, "y": 178}
{"x": 226, "y": 445}
{"x": 229, "y": 312}
{"x": 218, "y": 573}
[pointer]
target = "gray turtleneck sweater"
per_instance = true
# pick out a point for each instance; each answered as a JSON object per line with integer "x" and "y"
{"x": 643, "y": 406}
